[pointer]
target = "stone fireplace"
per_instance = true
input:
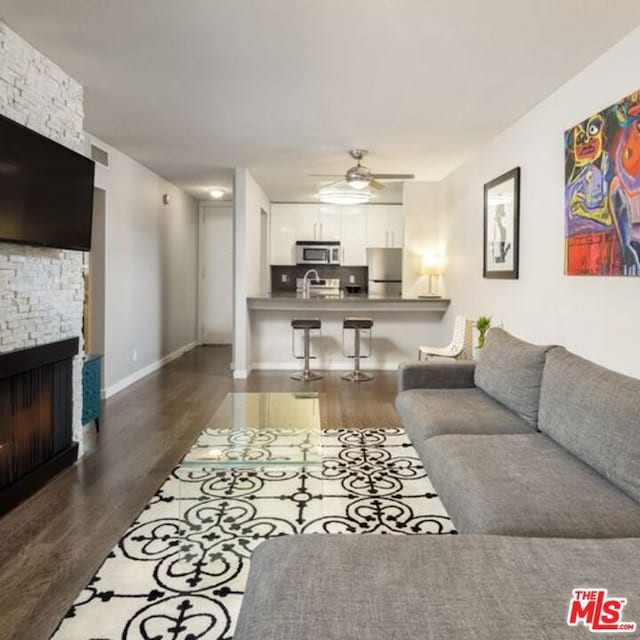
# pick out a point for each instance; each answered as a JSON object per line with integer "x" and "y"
{"x": 41, "y": 289}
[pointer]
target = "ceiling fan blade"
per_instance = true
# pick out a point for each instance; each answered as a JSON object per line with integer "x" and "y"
{"x": 393, "y": 176}
{"x": 332, "y": 184}
{"x": 374, "y": 184}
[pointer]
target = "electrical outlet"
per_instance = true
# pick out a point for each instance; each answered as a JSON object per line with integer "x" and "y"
{"x": 134, "y": 355}
{"x": 352, "y": 279}
{"x": 284, "y": 278}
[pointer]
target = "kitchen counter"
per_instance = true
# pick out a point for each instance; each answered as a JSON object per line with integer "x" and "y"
{"x": 400, "y": 325}
{"x": 280, "y": 301}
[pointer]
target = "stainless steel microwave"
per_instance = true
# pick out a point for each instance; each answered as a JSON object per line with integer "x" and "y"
{"x": 317, "y": 252}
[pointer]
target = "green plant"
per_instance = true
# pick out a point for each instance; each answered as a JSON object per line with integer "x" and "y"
{"x": 482, "y": 325}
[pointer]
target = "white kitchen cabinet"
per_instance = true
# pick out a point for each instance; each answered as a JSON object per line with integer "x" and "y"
{"x": 377, "y": 234}
{"x": 355, "y": 227}
{"x": 353, "y": 241}
{"x": 395, "y": 226}
{"x": 329, "y": 223}
{"x": 307, "y": 221}
{"x": 293, "y": 222}
{"x": 385, "y": 226}
{"x": 284, "y": 228}
{"x": 318, "y": 222}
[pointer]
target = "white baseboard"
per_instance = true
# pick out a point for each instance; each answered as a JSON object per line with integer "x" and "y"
{"x": 333, "y": 366}
{"x": 116, "y": 387}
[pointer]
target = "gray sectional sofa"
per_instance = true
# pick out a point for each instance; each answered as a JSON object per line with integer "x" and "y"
{"x": 540, "y": 442}
{"x": 535, "y": 453}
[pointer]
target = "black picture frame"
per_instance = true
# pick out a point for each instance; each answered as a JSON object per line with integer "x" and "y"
{"x": 501, "y": 237}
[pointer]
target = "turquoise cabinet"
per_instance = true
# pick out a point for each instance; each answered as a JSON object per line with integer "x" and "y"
{"x": 91, "y": 385}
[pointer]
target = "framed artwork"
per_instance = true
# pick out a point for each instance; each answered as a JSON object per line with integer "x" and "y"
{"x": 602, "y": 192}
{"x": 501, "y": 226}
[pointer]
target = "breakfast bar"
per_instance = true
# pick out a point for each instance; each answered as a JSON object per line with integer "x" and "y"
{"x": 399, "y": 326}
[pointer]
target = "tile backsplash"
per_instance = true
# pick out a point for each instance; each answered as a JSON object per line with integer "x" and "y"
{"x": 283, "y": 278}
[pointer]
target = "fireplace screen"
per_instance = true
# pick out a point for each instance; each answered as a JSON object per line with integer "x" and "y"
{"x": 36, "y": 417}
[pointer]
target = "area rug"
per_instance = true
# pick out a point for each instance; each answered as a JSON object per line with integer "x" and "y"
{"x": 180, "y": 570}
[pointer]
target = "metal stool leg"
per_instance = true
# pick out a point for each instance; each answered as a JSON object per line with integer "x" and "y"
{"x": 306, "y": 375}
{"x": 357, "y": 375}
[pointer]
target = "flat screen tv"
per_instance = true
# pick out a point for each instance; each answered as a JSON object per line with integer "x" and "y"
{"x": 46, "y": 190}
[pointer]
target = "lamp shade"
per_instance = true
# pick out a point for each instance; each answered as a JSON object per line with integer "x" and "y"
{"x": 431, "y": 264}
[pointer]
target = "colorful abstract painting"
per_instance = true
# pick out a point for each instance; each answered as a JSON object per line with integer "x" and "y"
{"x": 602, "y": 192}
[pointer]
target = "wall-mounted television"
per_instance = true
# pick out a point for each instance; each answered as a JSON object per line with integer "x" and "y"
{"x": 46, "y": 190}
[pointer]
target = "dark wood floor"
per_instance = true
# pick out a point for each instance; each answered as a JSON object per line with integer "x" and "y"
{"x": 52, "y": 544}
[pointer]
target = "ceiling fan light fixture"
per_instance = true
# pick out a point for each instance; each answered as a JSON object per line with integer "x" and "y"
{"x": 359, "y": 183}
{"x": 358, "y": 177}
{"x": 344, "y": 197}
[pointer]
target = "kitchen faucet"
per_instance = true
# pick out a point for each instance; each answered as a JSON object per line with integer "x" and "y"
{"x": 305, "y": 282}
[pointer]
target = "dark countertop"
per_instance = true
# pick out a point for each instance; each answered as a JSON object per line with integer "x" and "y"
{"x": 290, "y": 295}
{"x": 293, "y": 301}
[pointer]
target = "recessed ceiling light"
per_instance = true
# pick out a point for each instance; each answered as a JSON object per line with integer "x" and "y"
{"x": 216, "y": 193}
{"x": 344, "y": 197}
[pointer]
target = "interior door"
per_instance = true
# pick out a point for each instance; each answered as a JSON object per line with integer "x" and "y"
{"x": 216, "y": 275}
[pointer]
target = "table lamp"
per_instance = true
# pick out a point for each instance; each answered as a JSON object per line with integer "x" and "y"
{"x": 431, "y": 266}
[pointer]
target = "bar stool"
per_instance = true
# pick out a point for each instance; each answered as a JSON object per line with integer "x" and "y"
{"x": 358, "y": 325}
{"x": 306, "y": 325}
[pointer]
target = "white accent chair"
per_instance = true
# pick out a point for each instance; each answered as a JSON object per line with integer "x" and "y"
{"x": 461, "y": 345}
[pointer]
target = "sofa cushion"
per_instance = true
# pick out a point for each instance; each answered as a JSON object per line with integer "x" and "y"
{"x": 510, "y": 370}
{"x": 430, "y": 587}
{"x": 525, "y": 485}
{"x": 594, "y": 413}
{"x": 430, "y": 412}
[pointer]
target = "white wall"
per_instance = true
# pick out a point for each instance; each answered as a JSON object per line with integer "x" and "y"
{"x": 249, "y": 200}
{"x": 150, "y": 270}
{"x": 256, "y": 201}
{"x": 596, "y": 317}
{"x": 425, "y": 228}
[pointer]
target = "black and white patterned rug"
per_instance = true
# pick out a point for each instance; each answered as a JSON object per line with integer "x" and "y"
{"x": 180, "y": 570}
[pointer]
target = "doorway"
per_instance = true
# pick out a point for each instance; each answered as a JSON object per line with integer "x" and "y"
{"x": 93, "y": 325}
{"x": 215, "y": 291}
{"x": 265, "y": 280}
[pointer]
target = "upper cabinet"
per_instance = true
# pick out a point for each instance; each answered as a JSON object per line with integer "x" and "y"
{"x": 354, "y": 233}
{"x": 355, "y": 227}
{"x": 285, "y": 219}
{"x": 329, "y": 223}
{"x": 385, "y": 226}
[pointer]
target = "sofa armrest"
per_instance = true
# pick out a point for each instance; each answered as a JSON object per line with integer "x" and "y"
{"x": 457, "y": 374}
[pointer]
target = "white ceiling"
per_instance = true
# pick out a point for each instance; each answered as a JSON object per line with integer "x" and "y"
{"x": 192, "y": 88}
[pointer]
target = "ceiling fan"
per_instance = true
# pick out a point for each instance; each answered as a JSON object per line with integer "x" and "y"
{"x": 361, "y": 177}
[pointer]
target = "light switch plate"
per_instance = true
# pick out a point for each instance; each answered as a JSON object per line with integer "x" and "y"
{"x": 352, "y": 279}
{"x": 284, "y": 278}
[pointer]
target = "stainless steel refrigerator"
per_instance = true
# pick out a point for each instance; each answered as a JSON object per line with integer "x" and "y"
{"x": 385, "y": 272}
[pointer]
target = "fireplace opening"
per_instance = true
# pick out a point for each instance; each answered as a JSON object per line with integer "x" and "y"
{"x": 36, "y": 418}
